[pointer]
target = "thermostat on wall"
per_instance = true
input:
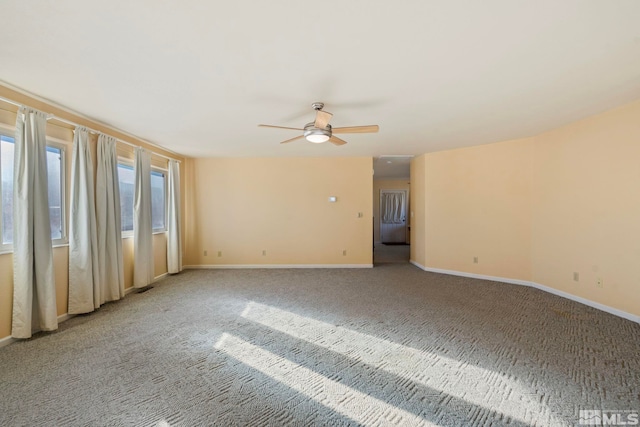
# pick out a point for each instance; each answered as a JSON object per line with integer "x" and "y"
{"x": 332, "y": 199}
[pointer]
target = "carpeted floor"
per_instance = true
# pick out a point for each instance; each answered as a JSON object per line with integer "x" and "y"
{"x": 385, "y": 254}
{"x": 391, "y": 345}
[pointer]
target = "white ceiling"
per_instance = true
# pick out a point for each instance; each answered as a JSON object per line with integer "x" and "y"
{"x": 392, "y": 167}
{"x": 197, "y": 76}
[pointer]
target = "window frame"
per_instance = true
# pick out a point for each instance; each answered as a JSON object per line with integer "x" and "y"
{"x": 124, "y": 161}
{"x": 4, "y": 247}
{"x": 64, "y": 236}
{"x": 129, "y": 163}
{"x": 165, "y": 177}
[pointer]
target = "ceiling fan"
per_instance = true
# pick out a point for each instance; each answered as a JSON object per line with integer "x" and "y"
{"x": 320, "y": 130}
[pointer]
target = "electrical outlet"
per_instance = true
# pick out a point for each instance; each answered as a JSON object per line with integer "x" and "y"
{"x": 219, "y": 253}
{"x": 344, "y": 252}
{"x": 205, "y": 252}
{"x": 475, "y": 259}
{"x": 264, "y": 253}
{"x": 576, "y": 276}
{"x": 600, "y": 282}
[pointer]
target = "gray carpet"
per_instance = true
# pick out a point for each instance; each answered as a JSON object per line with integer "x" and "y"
{"x": 386, "y": 254}
{"x": 391, "y": 345}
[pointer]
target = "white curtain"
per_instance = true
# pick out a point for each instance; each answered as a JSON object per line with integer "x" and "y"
{"x": 174, "y": 248}
{"x": 84, "y": 274}
{"x": 393, "y": 207}
{"x": 108, "y": 221}
{"x": 143, "y": 271}
{"x": 34, "y": 288}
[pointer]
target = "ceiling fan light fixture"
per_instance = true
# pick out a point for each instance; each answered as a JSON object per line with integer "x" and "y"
{"x": 316, "y": 135}
{"x": 317, "y": 138}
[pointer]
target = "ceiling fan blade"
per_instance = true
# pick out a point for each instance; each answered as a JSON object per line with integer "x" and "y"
{"x": 292, "y": 139}
{"x": 278, "y": 127}
{"x": 337, "y": 141}
{"x": 357, "y": 129}
{"x": 322, "y": 119}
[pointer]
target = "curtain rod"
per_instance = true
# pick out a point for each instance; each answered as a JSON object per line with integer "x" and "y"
{"x": 69, "y": 122}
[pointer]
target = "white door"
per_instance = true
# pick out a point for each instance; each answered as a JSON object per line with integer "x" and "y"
{"x": 393, "y": 216}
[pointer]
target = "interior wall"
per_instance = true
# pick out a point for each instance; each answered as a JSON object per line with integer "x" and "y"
{"x": 478, "y": 208}
{"x": 242, "y": 207}
{"x": 6, "y": 294}
{"x": 387, "y": 184}
{"x": 539, "y": 209}
{"x": 127, "y": 255}
{"x": 63, "y": 134}
{"x": 417, "y": 210}
{"x": 586, "y": 208}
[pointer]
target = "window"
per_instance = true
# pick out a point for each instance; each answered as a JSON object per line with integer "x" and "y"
{"x": 56, "y": 182}
{"x": 6, "y": 170}
{"x": 126, "y": 178}
{"x": 158, "y": 200}
{"x": 55, "y": 178}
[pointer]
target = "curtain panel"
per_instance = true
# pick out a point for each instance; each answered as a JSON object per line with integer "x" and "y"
{"x": 84, "y": 272}
{"x": 393, "y": 208}
{"x": 174, "y": 247}
{"x": 143, "y": 269}
{"x": 108, "y": 221}
{"x": 34, "y": 289}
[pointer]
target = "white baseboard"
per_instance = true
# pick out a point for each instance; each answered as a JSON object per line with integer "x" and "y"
{"x": 563, "y": 294}
{"x": 64, "y": 317}
{"x": 417, "y": 264}
{"x": 127, "y": 291}
{"x": 255, "y": 266}
{"x": 610, "y": 310}
{"x": 162, "y": 276}
{"x": 8, "y": 340}
{"x": 473, "y": 275}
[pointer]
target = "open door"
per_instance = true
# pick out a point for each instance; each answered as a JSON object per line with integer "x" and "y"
{"x": 393, "y": 216}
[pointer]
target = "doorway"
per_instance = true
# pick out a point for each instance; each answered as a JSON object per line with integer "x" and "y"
{"x": 391, "y": 201}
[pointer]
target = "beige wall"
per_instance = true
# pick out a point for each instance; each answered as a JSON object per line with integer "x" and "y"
{"x": 159, "y": 254}
{"x": 386, "y": 184}
{"x": 242, "y": 207}
{"x": 6, "y": 294}
{"x": 478, "y": 204}
{"x": 586, "y": 208}
{"x": 417, "y": 210}
{"x": 539, "y": 209}
{"x": 159, "y": 257}
{"x": 127, "y": 254}
{"x": 63, "y": 134}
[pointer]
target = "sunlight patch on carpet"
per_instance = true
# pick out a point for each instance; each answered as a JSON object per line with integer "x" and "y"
{"x": 456, "y": 378}
{"x": 344, "y": 400}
